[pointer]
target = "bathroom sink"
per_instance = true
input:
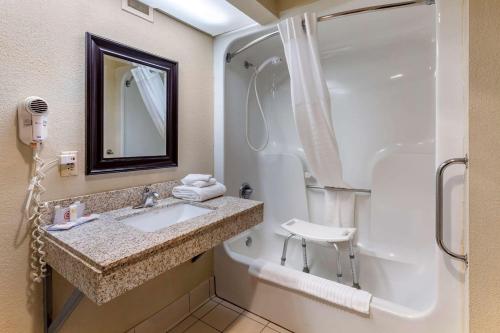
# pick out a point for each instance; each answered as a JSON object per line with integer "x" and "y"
{"x": 159, "y": 218}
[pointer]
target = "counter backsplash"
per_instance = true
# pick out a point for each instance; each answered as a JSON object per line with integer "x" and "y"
{"x": 110, "y": 200}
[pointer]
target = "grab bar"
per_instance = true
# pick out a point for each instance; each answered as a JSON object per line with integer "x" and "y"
{"x": 439, "y": 206}
{"x": 342, "y": 189}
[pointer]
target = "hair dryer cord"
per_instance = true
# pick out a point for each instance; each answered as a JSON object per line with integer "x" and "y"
{"x": 33, "y": 214}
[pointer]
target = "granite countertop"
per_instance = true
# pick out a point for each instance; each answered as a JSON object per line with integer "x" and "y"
{"x": 106, "y": 257}
{"x": 108, "y": 242}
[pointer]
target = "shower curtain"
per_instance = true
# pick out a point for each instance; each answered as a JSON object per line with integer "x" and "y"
{"x": 152, "y": 90}
{"x": 311, "y": 107}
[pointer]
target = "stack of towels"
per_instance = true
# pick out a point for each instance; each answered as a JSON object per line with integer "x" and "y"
{"x": 198, "y": 187}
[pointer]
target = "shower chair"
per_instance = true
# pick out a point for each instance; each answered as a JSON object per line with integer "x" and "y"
{"x": 332, "y": 236}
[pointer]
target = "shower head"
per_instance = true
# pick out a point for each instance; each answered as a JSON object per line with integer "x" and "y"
{"x": 272, "y": 60}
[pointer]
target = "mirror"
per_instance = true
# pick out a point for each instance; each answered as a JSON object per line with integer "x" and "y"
{"x": 131, "y": 108}
{"x": 134, "y": 109}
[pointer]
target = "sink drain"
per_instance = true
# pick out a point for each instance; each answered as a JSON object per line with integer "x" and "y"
{"x": 248, "y": 241}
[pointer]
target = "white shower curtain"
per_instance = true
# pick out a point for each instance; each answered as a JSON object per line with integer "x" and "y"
{"x": 311, "y": 107}
{"x": 153, "y": 93}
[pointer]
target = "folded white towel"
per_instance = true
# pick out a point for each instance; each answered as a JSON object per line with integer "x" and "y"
{"x": 324, "y": 289}
{"x": 202, "y": 183}
{"x": 195, "y": 177}
{"x": 193, "y": 193}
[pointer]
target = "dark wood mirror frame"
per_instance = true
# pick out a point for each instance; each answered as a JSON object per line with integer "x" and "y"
{"x": 97, "y": 47}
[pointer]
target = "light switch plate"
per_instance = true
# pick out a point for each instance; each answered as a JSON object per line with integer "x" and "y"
{"x": 68, "y": 163}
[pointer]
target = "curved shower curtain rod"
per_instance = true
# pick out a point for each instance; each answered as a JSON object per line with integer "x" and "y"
{"x": 231, "y": 55}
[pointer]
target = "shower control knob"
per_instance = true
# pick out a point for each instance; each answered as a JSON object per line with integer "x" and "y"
{"x": 245, "y": 191}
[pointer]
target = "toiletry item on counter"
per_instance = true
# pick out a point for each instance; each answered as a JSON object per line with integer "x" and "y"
{"x": 80, "y": 209}
{"x": 58, "y": 215}
{"x": 69, "y": 225}
{"x": 73, "y": 212}
{"x": 64, "y": 214}
{"x": 61, "y": 214}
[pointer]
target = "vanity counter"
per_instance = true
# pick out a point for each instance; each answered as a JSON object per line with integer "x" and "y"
{"x": 106, "y": 257}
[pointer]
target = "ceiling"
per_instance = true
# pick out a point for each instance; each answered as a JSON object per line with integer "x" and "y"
{"x": 211, "y": 16}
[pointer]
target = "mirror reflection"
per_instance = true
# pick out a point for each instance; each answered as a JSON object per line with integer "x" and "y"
{"x": 134, "y": 104}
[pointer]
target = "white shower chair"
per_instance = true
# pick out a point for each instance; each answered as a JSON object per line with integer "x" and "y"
{"x": 322, "y": 234}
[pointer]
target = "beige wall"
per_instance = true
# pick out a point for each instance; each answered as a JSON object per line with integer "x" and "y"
{"x": 271, "y": 5}
{"x": 277, "y": 6}
{"x": 288, "y": 4}
{"x": 42, "y": 52}
{"x": 268, "y": 11}
{"x": 484, "y": 72}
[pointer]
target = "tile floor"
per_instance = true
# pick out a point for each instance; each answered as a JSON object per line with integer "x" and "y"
{"x": 217, "y": 315}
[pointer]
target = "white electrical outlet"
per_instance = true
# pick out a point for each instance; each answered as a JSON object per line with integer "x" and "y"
{"x": 68, "y": 163}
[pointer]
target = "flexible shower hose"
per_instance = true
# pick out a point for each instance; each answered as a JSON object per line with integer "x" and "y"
{"x": 253, "y": 80}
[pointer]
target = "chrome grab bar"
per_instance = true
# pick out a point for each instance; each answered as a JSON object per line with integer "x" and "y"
{"x": 341, "y": 189}
{"x": 439, "y": 206}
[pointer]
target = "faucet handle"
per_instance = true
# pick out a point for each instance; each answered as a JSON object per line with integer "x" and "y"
{"x": 146, "y": 193}
{"x": 245, "y": 191}
{"x": 151, "y": 198}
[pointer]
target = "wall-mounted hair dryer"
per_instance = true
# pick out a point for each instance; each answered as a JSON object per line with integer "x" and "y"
{"x": 32, "y": 120}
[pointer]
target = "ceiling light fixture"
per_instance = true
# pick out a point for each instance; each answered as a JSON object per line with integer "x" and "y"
{"x": 212, "y": 16}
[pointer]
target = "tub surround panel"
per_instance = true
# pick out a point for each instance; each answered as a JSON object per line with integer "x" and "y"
{"x": 408, "y": 120}
{"x": 106, "y": 258}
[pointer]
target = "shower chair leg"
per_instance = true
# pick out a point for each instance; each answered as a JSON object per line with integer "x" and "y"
{"x": 339, "y": 264}
{"x": 285, "y": 247}
{"x": 304, "y": 254}
{"x": 355, "y": 281}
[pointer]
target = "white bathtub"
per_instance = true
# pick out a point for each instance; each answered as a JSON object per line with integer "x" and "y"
{"x": 398, "y": 112}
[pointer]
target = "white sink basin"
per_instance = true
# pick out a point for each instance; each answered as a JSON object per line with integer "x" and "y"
{"x": 160, "y": 218}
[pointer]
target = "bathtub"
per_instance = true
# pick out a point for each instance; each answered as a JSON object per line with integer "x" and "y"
{"x": 398, "y": 112}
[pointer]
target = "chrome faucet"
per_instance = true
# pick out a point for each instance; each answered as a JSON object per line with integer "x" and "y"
{"x": 149, "y": 198}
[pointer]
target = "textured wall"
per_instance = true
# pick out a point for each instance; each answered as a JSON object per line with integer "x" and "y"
{"x": 42, "y": 52}
{"x": 484, "y": 122}
{"x": 288, "y": 4}
{"x": 277, "y": 6}
{"x": 271, "y": 5}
